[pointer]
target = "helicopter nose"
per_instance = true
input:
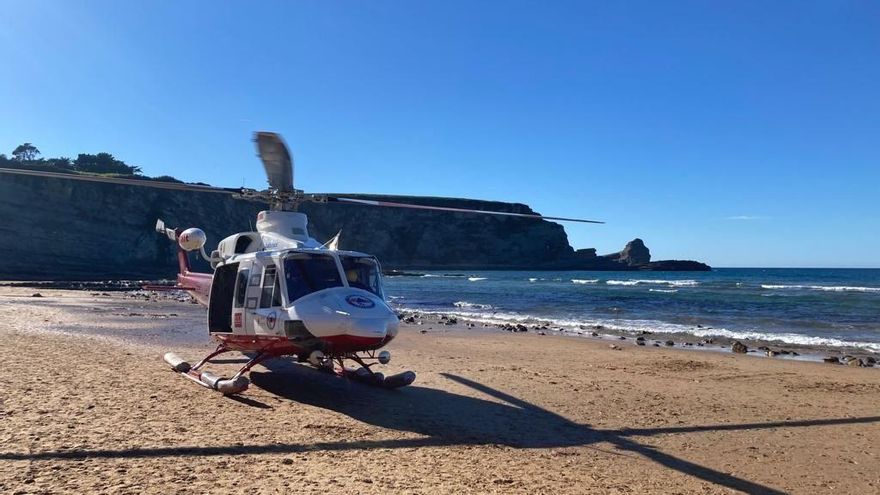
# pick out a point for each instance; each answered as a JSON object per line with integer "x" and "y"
{"x": 369, "y": 316}
{"x": 347, "y": 315}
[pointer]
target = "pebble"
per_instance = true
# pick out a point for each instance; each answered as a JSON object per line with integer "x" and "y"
{"x": 831, "y": 360}
{"x": 739, "y": 347}
{"x": 36, "y": 294}
{"x": 670, "y": 343}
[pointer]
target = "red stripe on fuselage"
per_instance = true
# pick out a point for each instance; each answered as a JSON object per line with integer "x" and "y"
{"x": 336, "y": 344}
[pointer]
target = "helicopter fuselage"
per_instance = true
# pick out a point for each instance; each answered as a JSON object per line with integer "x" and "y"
{"x": 295, "y": 301}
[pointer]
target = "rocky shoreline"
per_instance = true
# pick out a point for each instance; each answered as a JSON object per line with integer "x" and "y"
{"x": 752, "y": 347}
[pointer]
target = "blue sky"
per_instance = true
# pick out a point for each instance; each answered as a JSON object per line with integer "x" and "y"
{"x": 737, "y": 133}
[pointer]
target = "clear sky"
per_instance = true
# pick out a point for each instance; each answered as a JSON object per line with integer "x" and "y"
{"x": 738, "y": 133}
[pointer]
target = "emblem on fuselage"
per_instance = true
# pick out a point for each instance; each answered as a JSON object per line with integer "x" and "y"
{"x": 270, "y": 320}
{"x": 360, "y": 301}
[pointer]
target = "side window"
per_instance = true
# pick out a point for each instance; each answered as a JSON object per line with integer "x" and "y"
{"x": 241, "y": 287}
{"x": 269, "y": 295}
{"x": 276, "y": 296}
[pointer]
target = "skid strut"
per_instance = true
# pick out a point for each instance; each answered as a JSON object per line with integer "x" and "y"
{"x": 227, "y": 386}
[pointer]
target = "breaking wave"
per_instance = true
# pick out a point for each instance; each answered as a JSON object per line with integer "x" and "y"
{"x": 476, "y": 279}
{"x": 665, "y": 291}
{"x": 671, "y": 283}
{"x": 465, "y": 304}
{"x": 584, "y": 281}
{"x": 826, "y": 288}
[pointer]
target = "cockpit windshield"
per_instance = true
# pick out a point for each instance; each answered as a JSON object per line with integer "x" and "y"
{"x": 306, "y": 273}
{"x": 362, "y": 272}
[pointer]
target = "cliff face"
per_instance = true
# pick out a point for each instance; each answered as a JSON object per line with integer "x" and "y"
{"x": 405, "y": 238}
{"x": 61, "y": 229}
{"x": 55, "y": 229}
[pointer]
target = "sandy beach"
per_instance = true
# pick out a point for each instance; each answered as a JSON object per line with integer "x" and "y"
{"x": 88, "y": 406}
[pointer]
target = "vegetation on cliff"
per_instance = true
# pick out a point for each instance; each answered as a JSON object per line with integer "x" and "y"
{"x": 28, "y": 156}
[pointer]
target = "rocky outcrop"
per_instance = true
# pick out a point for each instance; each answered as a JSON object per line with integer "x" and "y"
{"x": 674, "y": 266}
{"x": 634, "y": 253}
{"x": 55, "y": 229}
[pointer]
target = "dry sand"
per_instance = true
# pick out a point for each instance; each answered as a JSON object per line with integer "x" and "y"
{"x": 91, "y": 408}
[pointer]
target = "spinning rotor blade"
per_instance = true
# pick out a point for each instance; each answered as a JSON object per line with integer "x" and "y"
{"x": 119, "y": 180}
{"x": 457, "y": 210}
{"x": 276, "y": 160}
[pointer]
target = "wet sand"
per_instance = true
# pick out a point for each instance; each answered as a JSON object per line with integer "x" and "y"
{"x": 89, "y": 407}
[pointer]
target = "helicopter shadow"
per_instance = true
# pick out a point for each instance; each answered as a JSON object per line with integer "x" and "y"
{"x": 445, "y": 417}
{"x": 448, "y": 419}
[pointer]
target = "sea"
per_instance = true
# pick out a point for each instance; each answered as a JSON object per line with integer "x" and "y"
{"x": 812, "y": 307}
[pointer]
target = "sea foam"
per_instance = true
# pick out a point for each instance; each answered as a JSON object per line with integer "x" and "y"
{"x": 465, "y": 304}
{"x": 671, "y": 283}
{"x": 826, "y": 288}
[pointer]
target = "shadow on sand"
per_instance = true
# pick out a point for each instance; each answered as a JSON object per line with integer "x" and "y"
{"x": 445, "y": 419}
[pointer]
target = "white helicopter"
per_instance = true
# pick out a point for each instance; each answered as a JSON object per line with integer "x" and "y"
{"x": 278, "y": 291}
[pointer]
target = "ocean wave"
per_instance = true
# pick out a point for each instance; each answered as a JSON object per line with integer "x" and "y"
{"x": 465, "y": 304}
{"x": 476, "y": 279}
{"x": 671, "y": 283}
{"x": 533, "y": 279}
{"x": 635, "y": 326}
{"x": 826, "y": 288}
{"x": 665, "y": 291}
{"x": 584, "y": 281}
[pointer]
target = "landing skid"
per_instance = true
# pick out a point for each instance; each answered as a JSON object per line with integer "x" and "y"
{"x": 226, "y": 386}
{"x": 239, "y": 382}
{"x": 364, "y": 374}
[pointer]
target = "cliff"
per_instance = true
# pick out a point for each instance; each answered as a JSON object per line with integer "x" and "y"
{"x": 54, "y": 229}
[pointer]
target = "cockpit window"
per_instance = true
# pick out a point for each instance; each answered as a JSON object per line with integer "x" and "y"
{"x": 363, "y": 273}
{"x": 306, "y": 273}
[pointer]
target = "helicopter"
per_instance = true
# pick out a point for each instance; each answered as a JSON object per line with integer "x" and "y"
{"x": 277, "y": 291}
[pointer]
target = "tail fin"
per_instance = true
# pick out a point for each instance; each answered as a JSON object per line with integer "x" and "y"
{"x": 182, "y": 257}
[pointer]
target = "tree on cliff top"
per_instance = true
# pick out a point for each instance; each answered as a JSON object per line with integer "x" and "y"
{"x": 25, "y": 152}
{"x": 103, "y": 163}
{"x": 27, "y": 156}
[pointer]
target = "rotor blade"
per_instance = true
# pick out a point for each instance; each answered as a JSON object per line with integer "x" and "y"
{"x": 119, "y": 180}
{"x": 457, "y": 210}
{"x": 276, "y": 160}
